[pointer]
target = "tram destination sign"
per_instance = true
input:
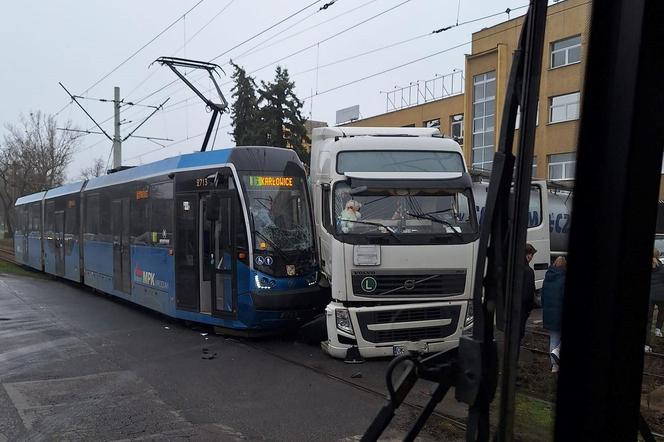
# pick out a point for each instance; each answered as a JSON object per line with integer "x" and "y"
{"x": 270, "y": 181}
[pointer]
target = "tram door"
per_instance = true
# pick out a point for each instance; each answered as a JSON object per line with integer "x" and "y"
{"x": 120, "y": 229}
{"x": 187, "y": 252}
{"x": 217, "y": 260}
{"x": 59, "y": 242}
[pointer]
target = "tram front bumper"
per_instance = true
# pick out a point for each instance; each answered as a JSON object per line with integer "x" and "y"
{"x": 308, "y": 298}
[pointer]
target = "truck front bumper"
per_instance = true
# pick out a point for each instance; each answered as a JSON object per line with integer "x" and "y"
{"x": 384, "y": 331}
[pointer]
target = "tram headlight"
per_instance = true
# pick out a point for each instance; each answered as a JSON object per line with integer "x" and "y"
{"x": 312, "y": 279}
{"x": 264, "y": 283}
{"x": 343, "y": 321}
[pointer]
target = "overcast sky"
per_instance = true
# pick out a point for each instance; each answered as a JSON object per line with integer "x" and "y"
{"x": 79, "y": 42}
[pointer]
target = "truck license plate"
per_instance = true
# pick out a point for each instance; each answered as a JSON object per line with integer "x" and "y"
{"x": 399, "y": 350}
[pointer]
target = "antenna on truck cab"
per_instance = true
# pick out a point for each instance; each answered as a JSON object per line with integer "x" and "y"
{"x": 211, "y": 68}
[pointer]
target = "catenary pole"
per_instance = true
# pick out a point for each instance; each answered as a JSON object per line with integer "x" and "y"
{"x": 117, "y": 140}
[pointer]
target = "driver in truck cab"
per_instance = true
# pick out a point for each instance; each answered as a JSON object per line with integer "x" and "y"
{"x": 350, "y": 213}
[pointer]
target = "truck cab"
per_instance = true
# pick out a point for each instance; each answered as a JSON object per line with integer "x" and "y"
{"x": 397, "y": 231}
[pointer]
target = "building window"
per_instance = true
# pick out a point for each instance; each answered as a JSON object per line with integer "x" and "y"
{"x": 517, "y": 123}
{"x": 564, "y": 107}
{"x": 564, "y": 52}
{"x": 432, "y": 123}
{"x": 409, "y": 125}
{"x": 484, "y": 110}
{"x": 456, "y": 128}
{"x": 562, "y": 166}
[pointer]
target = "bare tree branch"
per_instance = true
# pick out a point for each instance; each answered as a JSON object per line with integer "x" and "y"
{"x": 33, "y": 157}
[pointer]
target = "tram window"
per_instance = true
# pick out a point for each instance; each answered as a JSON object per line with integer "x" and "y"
{"x": 161, "y": 221}
{"x": 48, "y": 225}
{"x": 19, "y": 216}
{"x": 35, "y": 217}
{"x": 139, "y": 221}
{"x": 71, "y": 217}
{"x": 23, "y": 219}
{"x": 92, "y": 215}
{"x": 240, "y": 227}
{"x": 105, "y": 216}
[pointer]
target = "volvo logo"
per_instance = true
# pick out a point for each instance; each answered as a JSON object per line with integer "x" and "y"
{"x": 369, "y": 284}
{"x": 409, "y": 284}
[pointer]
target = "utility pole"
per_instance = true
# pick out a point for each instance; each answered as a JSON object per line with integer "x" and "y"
{"x": 117, "y": 138}
{"x": 117, "y": 141}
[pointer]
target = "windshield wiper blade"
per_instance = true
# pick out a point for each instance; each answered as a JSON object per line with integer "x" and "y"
{"x": 387, "y": 228}
{"x": 437, "y": 220}
{"x": 436, "y": 211}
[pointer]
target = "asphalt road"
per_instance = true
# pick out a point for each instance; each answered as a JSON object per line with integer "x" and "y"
{"x": 79, "y": 365}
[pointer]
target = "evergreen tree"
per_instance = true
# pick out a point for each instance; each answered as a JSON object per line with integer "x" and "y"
{"x": 244, "y": 111}
{"x": 281, "y": 122}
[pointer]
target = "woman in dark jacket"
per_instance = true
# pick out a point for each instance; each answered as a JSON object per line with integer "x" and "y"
{"x": 656, "y": 298}
{"x": 552, "y": 304}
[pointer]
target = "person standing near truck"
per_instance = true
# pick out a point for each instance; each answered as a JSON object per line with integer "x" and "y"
{"x": 528, "y": 297}
{"x": 552, "y": 306}
{"x": 656, "y": 299}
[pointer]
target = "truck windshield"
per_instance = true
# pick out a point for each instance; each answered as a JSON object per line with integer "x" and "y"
{"x": 278, "y": 213}
{"x": 403, "y": 212}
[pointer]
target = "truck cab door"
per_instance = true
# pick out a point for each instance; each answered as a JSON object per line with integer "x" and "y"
{"x": 324, "y": 225}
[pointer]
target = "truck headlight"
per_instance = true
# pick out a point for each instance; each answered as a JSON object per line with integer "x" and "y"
{"x": 343, "y": 321}
{"x": 469, "y": 315}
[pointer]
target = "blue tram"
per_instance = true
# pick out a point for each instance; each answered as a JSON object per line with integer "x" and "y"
{"x": 222, "y": 237}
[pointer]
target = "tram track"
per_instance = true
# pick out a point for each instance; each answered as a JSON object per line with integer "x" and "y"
{"x": 454, "y": 421}
{"x": 7, "y": 254}
{"x": 457, "y": 423}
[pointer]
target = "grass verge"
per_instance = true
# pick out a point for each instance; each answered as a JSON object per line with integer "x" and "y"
{"x": 8, "y": 268}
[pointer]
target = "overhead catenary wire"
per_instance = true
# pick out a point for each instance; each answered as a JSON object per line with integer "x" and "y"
{"x": 272, "y": 26}
{"x": 316, "y": 44}
{"x": 259, "y": 47}
{"x": 343, "y": 31}
{"x": 384, "y": 71}
{"x": 266, "y": 29}
{"x": 188, "y": 40}
{"x": 105, "y": 76}
{"x": 173, "y": 107}
{"x": 236, "y": 46}
{"x": 136, "y": 52}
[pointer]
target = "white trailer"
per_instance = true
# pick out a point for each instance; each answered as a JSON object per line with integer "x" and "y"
{"x": 397, "y": 233}
{"x": 539, "y": 226}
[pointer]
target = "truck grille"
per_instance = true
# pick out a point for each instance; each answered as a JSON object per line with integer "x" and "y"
{"x": 385, "y": 285}
{"x": 409, "y": 315}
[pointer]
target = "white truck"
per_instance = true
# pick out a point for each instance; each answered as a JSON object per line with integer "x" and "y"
{"x": 397, "y": 231}
{"x": 397, "y": 228}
